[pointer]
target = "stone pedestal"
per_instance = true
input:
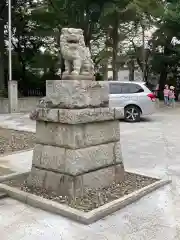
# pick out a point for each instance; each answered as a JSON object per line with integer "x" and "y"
{"x": 77, "y": 94}
{"x": 78, "y": 141}
{"x": 79, "y": 77}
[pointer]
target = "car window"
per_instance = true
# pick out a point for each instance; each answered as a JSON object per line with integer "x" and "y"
{"x": 115, "y": 88}
{"x": 124, "y": 88}
{"x": 128, "y": 88}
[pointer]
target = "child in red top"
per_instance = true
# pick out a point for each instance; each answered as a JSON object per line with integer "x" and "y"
{"x": 172, "y": 96}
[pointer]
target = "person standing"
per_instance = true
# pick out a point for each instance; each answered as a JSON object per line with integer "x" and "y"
{"x": 166, "y": 94}
{"x": 172, "y": 96}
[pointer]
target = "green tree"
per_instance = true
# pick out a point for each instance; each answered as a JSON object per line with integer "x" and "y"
{"x": 165, "y": 46}
{"x": 117, "y": 21}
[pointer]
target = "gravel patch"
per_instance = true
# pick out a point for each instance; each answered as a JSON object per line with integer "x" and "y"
{"x": 92, "y": 198}
{"x": 12, "y": 140}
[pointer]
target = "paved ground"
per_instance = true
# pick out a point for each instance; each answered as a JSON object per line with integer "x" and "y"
{"x": 17, "y": 162}
{"x": 17, "y": 121}
{"x": 150, "y": 147}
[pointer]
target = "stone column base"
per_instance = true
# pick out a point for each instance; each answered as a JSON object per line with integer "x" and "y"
{"x": 74, "y": 186}
{"x": 78, "y": 139}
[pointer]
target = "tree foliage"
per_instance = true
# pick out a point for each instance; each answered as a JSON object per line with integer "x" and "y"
{"x": 113, "y": 31}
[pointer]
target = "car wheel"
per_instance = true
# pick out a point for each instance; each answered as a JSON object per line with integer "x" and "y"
{"x": 132, "y": 114}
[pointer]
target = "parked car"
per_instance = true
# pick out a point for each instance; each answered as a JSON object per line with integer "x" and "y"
{"x": 134, "y": 98}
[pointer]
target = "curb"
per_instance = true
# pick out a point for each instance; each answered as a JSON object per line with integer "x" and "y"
{"x": 12, "y": 176}
{"x": 77, "y": 215}
{"x": 118, "y": 204}
{"x": 19, "y": 130}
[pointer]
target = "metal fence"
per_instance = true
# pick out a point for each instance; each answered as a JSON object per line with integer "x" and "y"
{"x": 37, "y": 92}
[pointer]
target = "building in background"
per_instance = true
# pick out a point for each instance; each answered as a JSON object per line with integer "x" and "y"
{"x": 123, "y": 74}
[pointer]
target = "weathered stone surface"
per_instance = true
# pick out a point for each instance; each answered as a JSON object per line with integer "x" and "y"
{"x": 37, "y": 153}
{"x": 117, "y": 152}
{"x": 64, "y": 185}
{"x": 77, "y": 161}
{"x": 53, "y": 158}
{"x": 77, "y": 136}
{"x": 77, "y": 93}
{"x": 119, "y": 172}
{"x": 74, "y": 186}
{"x": 96, "y": 179}
{"x": 88, "y": 159}
{"x": 48, "y": 114}
{"x": 77, "y": 57}
{"x": 44, "y": 133}
{"x": 76, "y": 116}
{"x": 78, "y": 77}
{"x": 36, "y": 178}
{"x": 99, "y": 133}
{"x": 52, "y": 182}
{"x": 103, "y": 177}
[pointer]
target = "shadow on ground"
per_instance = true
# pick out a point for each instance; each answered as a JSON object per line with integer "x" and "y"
{"x": 144, "y": 119}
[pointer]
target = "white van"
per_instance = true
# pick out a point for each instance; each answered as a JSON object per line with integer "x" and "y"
{"x": 134, "y": 98}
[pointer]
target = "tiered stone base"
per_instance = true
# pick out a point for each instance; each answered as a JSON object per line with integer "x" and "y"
{"x": 76, "y": 149}
{"x": 74, "y": 186}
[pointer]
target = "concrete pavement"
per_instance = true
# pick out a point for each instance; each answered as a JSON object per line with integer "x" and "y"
{"x": 17, "y": 121}
{"x": 149, "y": 147}
{"x": 17, "y": 162}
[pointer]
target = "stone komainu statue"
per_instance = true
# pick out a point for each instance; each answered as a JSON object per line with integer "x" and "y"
{"x": 76, "y": 55}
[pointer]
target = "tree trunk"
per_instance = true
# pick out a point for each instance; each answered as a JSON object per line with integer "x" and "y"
{"x": 105, "y": 72}
{"x": 163, "y": 77}
{"x": 2, "y": 48}
{"x": 131, "y": 70}
{"x": 143, "y": 54}
{"x": 115, "y": 38}
{"x": 164, "y": 72}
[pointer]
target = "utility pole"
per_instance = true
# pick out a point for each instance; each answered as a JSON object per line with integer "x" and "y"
{"x": 10, "y": 40}
{"x": 12, "y": 85}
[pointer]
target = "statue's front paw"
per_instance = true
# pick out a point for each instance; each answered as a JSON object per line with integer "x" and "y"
{"x": 85, "y": 73}
{"x": 75, "y": 73}
{"x": 34, "y": 114}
